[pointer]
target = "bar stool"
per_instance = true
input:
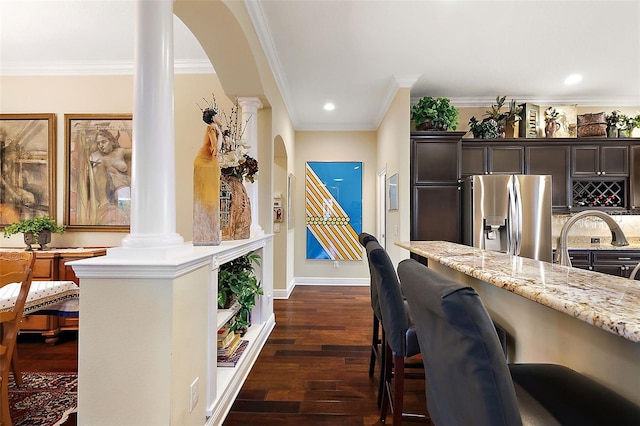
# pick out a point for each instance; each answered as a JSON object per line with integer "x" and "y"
{"x": 377, "y": 354}
{"x": 469, "y": 380}
{"x": 400, "y": 340}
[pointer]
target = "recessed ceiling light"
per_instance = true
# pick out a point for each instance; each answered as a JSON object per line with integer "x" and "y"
{"x": 329, "y": 106}
{"x": 573, "y": 79}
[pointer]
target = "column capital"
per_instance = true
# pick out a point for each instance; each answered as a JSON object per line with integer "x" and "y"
{"x": 250, "y": 104}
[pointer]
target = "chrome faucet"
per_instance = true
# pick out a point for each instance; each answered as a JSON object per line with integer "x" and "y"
{"x": 562, "y": 251}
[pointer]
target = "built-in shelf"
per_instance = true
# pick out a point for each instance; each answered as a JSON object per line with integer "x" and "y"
{"x": 224, "y": 315}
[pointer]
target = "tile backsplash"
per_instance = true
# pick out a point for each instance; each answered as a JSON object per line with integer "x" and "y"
{"x": 589, "y": 227}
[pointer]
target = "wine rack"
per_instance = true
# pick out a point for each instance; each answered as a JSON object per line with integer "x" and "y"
{"x": 599, "y": 193}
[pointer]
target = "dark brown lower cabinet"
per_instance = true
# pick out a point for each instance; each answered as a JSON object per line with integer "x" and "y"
{"x": 436, "y": 213}
{"x": 612, "y": 262}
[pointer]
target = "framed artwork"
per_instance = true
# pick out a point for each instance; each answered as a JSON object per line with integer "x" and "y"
{"x": 333, "y": 203}
{"x": 393, "y": 192}
{"x": 98, "y": 171}
{"x": 27, "y": 167}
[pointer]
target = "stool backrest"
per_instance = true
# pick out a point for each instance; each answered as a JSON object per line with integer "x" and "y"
{"x": 364, "y": 238}
{"x": 468, "y": 380}
{"x": 394, "y": 315}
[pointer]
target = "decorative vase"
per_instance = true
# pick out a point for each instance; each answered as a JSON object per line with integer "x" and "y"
{"x": 235, "y": 208}
{"x": 550, "y": 128}
{"x": 612, "y": 132}
{"x": 44, "y": 238}
{"x": 428, "y": 125}
{"x": 206, "y": 191}
{"x": 511, "y": 130}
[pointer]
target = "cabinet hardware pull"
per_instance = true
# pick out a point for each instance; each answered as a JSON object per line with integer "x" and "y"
{"x": 624, "y": 258}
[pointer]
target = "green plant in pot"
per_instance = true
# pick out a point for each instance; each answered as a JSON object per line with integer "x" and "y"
{"x": 237, "y": 282}
{"x": 36, "y": 230}
{"x": 615, "y": 122}
{"x": 486, "y": 129}
{"x": 506, "y": 120}
{"x": 628, "y": 124}
{"x": 434, "y": 114}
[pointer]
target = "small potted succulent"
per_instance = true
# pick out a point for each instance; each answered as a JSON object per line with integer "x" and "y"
{"x": 434, "y": 114}
{"x": 36, "y": 230}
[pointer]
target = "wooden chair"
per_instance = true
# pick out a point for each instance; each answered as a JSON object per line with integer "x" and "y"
{"x": 15, "y": 267}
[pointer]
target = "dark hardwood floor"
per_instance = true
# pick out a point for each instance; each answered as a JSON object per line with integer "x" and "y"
{"x": 313, "y": 369}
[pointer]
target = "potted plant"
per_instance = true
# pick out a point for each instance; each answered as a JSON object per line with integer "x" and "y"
{"x": 434, "y": 114}
{"x": 36, "y": 230}
{"x": 237, "y": 283}
{"x": 486, "y": 129}
{"x": 615, "y": 122}
{"x": 506, "y": 121}
{"x": 627, "y": 125}
{"x": 551, "y": 125}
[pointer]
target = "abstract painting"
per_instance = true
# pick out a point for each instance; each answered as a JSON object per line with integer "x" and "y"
{"x": 333, "y": 203}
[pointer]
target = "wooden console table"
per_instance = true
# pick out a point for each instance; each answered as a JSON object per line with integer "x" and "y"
{"x": 51, "y": 265}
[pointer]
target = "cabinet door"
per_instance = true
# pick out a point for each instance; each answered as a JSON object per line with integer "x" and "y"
{"x": 435, "y": 162}
{"x": 585, "y": 161}
{"x": 614, "y": 160}
{"x": 474, "y": 160}
{"x": 435, "y": 213}
{"x": 600, "y": 161}
{"x": 634, "y": 190}
{"x": 554, "y": 161}
{"x": 615, "y": 262}
{"x": 506, "y": 160}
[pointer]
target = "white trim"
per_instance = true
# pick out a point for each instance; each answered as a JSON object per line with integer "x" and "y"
{"x": 98, "y": 68}
{"x": 487, "y": 101}
{"x": 332, "y": 281}
{"x": 284, "y": 294}
{"x": 261, "y": 26}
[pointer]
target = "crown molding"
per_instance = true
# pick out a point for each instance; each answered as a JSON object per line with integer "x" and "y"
{"x": 263, "y": 31}
{"x": 98, "y": 68}
{"x": 484, "y": 102}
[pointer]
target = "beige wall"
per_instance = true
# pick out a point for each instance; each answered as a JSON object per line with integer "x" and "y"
{"x": 393, "y": 155}
{"x": 113, "y": 94}
{"x": 333, "y": 146}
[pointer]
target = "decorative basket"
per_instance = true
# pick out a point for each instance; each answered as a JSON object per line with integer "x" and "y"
{"x": 592, "y": 125}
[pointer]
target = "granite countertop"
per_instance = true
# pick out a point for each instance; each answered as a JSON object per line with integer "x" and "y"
{"x": 605, "y": 301}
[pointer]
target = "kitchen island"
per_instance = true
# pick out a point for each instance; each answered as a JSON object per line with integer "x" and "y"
{"x": 555, "y": 314}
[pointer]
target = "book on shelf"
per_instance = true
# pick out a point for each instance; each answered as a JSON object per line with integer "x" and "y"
{"x": 223, "y": 331}
{"x": 226, "y": 340}
{"x": 232, "y": 360}
{"x": 231, "y": 347}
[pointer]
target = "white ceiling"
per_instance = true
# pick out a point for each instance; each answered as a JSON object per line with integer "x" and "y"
{"x": 355, "y": 53}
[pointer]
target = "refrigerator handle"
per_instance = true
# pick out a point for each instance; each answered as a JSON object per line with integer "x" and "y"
{"x": 518, "y": 214}
{"x": 514, "y": 217}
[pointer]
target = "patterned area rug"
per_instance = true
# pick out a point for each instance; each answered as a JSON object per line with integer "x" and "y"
{"x": 45, "y": 399}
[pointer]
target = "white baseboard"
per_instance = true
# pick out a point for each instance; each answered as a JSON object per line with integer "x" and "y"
{"x": 284, "y": 294}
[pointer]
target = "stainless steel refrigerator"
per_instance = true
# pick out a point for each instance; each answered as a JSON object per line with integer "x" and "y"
{"x": 508, "y": 213}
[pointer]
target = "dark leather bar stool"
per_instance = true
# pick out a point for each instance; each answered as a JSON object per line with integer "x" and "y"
{"x": 377, "y": 353}
{"x": 468, "y": 379}
{"x": 400, "y": 340}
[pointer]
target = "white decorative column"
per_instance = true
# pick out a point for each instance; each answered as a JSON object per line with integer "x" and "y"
{"x": 249, "y": 108}
{"x": 153, "y": 201}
